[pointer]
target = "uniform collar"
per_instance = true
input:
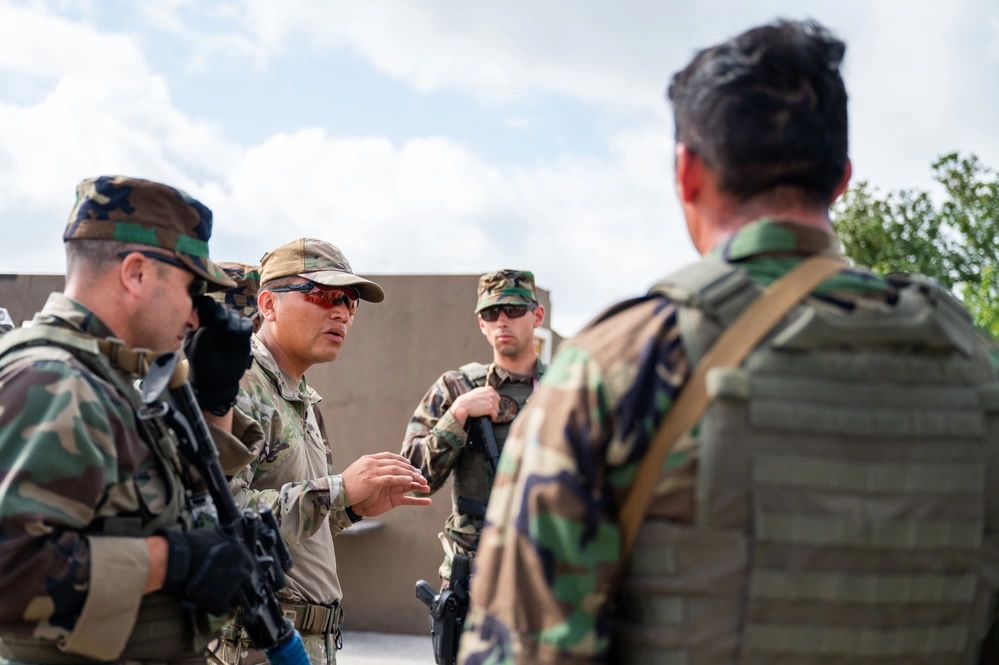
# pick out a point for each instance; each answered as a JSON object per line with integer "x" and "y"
{"x": 768, "y": 236}
{"x": 61, "y": 310}
{"x": 496, "y": 376}
{"x": 285, "y": 384}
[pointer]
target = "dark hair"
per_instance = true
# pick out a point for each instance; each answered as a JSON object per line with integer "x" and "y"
{"x": 767, "y": 109}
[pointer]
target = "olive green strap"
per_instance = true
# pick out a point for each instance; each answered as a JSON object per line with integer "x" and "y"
{"x": 729, "y": 351}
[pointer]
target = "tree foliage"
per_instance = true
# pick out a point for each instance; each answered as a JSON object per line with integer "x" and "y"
{"x": 952, "y": 237}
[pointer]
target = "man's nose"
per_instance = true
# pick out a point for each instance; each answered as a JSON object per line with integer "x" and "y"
{"x": 340, "y": 312}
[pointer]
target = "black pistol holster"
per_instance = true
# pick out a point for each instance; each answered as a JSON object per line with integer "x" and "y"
{"x": 447, "y": 610}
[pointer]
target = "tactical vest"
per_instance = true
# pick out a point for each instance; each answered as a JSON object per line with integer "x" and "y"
{"x": 164, "y": 630}
{"x": 473, "y": 473}
{"x": 847, "y": 494}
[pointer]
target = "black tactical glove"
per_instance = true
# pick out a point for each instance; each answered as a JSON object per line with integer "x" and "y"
{"x": 206, "y": 567}
{"x": 218, "y": 352}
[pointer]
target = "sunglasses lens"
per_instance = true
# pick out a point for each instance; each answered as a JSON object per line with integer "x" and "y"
{"x": 514, "y": 311}
{"x": 330, "y": 297}
{"x": 511, "y": 311}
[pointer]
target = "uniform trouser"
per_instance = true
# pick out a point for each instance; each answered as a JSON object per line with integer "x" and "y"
{"x": 321, "y": 650}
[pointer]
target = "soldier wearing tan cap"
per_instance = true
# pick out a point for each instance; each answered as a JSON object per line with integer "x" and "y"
{"x": 308, "y": 299}
{"x": 99, "y": 545}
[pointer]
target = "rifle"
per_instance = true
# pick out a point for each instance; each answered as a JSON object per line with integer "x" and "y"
{"x": 449, "y": 607}
{"x": 166, "y": 393}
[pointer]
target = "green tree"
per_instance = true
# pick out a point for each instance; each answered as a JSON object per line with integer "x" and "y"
{"x": 953, "y": 238}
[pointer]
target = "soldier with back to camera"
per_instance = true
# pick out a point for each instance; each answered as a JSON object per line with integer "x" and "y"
{"x": 772, "y": 457}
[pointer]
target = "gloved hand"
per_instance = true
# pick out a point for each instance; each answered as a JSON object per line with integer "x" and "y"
{"x": 218, "y": 353}
{"x": 207, "y": 567}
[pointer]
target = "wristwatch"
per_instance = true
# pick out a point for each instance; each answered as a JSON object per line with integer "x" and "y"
{"x": 354, "y": 517}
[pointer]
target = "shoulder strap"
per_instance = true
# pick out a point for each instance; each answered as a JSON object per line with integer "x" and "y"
{"x": 475, "y": 373}
{"x": 731, "y": 348}
{"x": 133, "y": 361}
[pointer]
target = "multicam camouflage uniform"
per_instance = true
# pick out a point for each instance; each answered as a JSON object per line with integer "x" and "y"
{"x": 293, "y": 473}
{"x": 542, "y": 590}
{"x": 311, "y": 512}
{"x": 436, "y": 443}
{"x": 81, "y": 478}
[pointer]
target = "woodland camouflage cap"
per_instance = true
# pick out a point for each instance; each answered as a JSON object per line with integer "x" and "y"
{"x": 243, "y": 296}
{"x": 144, "y": 212}
{"x": 500, "y": 287}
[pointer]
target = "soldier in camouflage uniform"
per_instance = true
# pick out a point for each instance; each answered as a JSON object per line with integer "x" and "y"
{"x": 836, "y": 502}
{"x": 6, "y": 323}
{"x": 241, "y": 298}
{"x": 437, "y": 438}
{"x": 308, "y": 299}
{"x": 99, "y": 542}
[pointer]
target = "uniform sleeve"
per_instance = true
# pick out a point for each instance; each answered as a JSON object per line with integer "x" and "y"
{"x": 541, "y": 588}
{"x": 64, "y": 438}
{"x": 434, "y": 437}
{"x": 301, "y": 506}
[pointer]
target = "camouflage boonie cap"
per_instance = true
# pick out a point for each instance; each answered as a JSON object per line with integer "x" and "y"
{"x": 502, "y": 287}
{"x": 146, "y": 213}
{"x": 242, "y": 297}
{"x": 6, "y": 323}
{"x": 317, "y": 261}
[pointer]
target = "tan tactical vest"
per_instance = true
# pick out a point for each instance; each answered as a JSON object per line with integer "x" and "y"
{"x": 164, "y": 631}
{"x": 847, "y": 491}
{"x": 473, "y": 474}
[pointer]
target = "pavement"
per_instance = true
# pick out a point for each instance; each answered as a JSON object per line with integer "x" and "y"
{"x": 381, "y": 649}
{"x": 385, "y": 649}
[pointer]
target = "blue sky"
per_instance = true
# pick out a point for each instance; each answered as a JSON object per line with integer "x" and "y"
{"x": 441, "y": 137}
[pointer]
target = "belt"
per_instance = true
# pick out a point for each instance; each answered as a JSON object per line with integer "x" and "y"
{"x": 314, "y": 619}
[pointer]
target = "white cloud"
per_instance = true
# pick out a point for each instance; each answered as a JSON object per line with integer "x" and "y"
{"x": 425, "y": 205}
{"x": 431, "y": 206}
{"x": 920, "y": 73}
{"x": 42, "y": 44}
{"x": 592, "y": 228}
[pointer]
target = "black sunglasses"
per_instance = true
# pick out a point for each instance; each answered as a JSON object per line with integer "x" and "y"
{"x": 512, "y": 311}
{"x": 326, "y": 297}
{"x": 197, "y": 287}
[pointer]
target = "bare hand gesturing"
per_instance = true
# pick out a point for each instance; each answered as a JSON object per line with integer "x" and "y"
{"x": 376, "y": 483}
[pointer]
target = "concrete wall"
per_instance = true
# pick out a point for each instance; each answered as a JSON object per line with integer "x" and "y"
{"x": 393, "y": 353}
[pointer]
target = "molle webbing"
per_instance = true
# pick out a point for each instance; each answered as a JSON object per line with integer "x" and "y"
{"x": 131, "y": 361}
{"x": 846, "y": 499}
{"x": 711, "y": 295}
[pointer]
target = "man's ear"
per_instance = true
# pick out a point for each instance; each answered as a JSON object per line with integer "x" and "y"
{"x": 539, "y": 316}
{"x": 266, "y": 302}
{"x": 134, "y": 273}
{"x": 845, "y": 180}
{"x": 690, "y": 173}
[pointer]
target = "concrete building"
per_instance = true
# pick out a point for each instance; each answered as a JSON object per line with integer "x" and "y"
{"x": 393, "y": 353}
